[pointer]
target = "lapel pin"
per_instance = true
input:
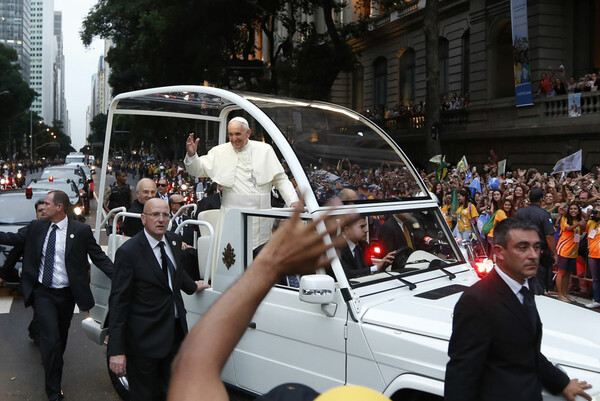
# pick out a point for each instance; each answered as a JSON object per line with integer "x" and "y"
{"x": 174, "y": 243}
{"x": 72, "y": 236}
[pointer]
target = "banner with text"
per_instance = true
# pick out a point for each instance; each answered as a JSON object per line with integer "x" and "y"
{"x": 520, "y": 42}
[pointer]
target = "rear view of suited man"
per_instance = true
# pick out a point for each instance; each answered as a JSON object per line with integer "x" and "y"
{"x": 147, "y": 317}
{"x": 55, "y": 277}
{"x": 497, "y": 333}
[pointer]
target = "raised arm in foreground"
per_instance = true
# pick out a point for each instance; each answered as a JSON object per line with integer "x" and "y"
{"x": 295, "y": 248}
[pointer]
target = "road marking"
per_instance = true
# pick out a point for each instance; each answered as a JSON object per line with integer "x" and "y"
{"x": 5, "y": 303}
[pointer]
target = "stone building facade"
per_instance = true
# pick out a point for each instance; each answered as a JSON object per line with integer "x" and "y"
{"x": 476, "y": 58}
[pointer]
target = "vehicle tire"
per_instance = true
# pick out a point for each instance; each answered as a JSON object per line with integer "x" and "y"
{"x": 119, "y": 383}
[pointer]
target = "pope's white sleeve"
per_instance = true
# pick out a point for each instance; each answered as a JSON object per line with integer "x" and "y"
{"x": 193, "y": 166}
{"x": 285, "y": 188}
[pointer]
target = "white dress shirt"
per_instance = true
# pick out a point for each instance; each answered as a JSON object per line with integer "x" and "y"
{"x": 513, "y": 285}
{"x": 59, "y": 276}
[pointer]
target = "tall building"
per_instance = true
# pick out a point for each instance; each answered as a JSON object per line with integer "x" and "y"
{"x": 42, "y": 57}
{"x": 60, "y": 102}
{"x": 101, "y": 90}
{"x": 15, "y": 30}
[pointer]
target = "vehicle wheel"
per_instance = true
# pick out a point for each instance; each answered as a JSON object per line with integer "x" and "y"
{"x": 120, "y": 384}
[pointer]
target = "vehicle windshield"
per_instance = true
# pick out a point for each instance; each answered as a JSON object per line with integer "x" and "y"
{"x": 67, "y": 187}
{"x": 75, "y": 159}
{"x": 72, "y": 173}
{"x": 419, "y": 239}
{"x": 337, "y": 150}
{"x": 18, "y": 209}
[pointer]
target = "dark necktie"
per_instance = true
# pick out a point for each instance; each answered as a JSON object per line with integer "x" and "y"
{"x": 358, "y": 257}
{"x": 49, "y": 258}
{"x": 164, "y": 260}
{"x": 529, "y": 305}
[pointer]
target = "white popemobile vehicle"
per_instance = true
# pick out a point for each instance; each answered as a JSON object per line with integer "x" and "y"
{"x": 388, "y": 331}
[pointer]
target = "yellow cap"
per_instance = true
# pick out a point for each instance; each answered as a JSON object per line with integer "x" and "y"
{"x": 351, "y": 393}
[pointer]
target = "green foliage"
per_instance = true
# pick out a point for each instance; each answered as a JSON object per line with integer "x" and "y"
{"x": 15, "y": 101}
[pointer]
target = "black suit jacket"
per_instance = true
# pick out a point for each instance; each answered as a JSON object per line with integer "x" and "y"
{"x": 350, "y": 265}
{"x": 79, "y": 244}
{"x": 131, "y": 225}
{"x": 495, "y": 350}
{"x": 141, "y": 313}
{"x": 391, "y": 236}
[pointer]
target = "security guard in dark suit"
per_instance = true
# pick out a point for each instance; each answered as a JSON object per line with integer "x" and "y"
{"x": 497, "y": 333}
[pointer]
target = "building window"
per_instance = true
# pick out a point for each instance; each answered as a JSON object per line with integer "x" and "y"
{"x": 406, "y": 78}
{"x": 443, "y": 60}
{"x": 466, "y": 61}
{"x": 380, "y": 82}
{"x": 357, "y": 89}
{"x": 501, "y": 77}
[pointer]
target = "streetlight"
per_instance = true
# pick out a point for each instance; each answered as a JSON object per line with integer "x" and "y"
{"x": 32, "y": 136}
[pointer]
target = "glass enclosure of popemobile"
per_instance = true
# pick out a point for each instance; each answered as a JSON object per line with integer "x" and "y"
{"x": 325, "y": 149}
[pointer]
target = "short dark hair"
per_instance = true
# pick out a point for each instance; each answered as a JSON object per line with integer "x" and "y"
{"x": 61, "y": 197}
{"x": 121, "y": 172}
{"x": 38, "y": 203}
{"x": 502, "y": 229}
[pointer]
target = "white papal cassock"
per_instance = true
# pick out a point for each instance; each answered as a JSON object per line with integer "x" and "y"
{"x": 247, "y": 176}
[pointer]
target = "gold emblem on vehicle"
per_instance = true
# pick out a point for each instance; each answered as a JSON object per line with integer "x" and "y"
{"x": 228, "y": 256}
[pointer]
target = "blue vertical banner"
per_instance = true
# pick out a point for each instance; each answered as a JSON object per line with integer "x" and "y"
{"x": 520, "y": 36}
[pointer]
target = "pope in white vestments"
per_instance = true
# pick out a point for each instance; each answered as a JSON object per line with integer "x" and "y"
{"x": 247, "y": 170}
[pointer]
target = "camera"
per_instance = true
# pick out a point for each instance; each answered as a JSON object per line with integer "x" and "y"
{"x": 594, "y": 215}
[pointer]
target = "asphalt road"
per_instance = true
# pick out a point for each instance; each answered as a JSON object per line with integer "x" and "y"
{"x": 85, "y": 374}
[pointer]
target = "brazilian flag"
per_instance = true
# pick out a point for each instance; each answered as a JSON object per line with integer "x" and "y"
{"x": 441, "y": 173}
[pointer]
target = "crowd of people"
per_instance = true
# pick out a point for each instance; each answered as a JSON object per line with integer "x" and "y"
{"x": 553, "y": 84}
{"x": 469, "y": 200}
{"x": 456, "y": 101}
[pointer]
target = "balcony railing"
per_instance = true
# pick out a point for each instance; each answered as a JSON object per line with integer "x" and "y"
{"x": 558, "y": 106}
{"x": 501, "y": 117}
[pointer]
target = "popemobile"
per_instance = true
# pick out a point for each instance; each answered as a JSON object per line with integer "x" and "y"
{"x": 388, "y": 330}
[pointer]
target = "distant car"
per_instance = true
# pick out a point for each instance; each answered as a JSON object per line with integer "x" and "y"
{"x": 75, "y": 157}
{"x": 67, "y": 186}
{"x": 16, "y": 211}
{"x": 87, "y": 171}
{"x": 75, "y": 174}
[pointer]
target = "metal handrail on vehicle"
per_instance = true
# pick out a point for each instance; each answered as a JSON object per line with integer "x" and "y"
{"x": 112, "y": 212}
{"x": 211, "y": 243}
{"x": 180, "y": 212}
{"x": 112, "y": 239}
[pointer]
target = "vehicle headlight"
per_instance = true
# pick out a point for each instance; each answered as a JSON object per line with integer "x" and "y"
{"x": 77, "y": 210}
{"x": 2, "y": 181}
{"x": 184, "y": 187}
{"x": 19, "y": 175}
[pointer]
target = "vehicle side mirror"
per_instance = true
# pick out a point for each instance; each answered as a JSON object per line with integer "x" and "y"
{"x": 317, "y": 289}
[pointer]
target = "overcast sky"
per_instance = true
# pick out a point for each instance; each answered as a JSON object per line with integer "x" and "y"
{"x": 81, "y": 64}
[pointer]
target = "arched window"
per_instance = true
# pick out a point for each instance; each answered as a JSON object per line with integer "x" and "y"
{"x": 406, "y": 78}
{"x": 443, "y": 59}
{"x": 466, "y": 61}
{"x": 501, "y": 74}
{"x": 380, "y": 82}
